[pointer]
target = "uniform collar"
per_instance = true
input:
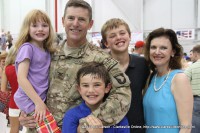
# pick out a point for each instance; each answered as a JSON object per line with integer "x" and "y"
{"x": 73, "y": 52}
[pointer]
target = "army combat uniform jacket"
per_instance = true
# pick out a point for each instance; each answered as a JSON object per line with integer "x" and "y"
{"x": 63, "y": 95}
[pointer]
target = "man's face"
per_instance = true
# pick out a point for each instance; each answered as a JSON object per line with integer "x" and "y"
{"x": 141, "y": 50}
{"x": 191, "y": 56}
{"x": 195, "y": 56}
{"x": 76, "y": 23}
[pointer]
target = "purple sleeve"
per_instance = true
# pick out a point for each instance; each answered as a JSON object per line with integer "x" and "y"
{"x": 24, "y": 52}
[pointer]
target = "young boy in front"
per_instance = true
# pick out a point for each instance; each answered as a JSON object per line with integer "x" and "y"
{"x": 93, "y": 84}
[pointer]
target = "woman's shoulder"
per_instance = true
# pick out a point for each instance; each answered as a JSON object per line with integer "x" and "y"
{"x": 180, "y": 76}
{"x": 176, "y": 72}
{"x": 179, "y": 79}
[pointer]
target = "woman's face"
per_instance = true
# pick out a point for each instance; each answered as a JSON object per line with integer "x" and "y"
{"x": 161, "y": 51}
{"x": 2, "y": 62}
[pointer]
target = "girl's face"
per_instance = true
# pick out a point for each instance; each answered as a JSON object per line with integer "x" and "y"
{"x": 39, "y": 32}
{"x": 161, "y": 51}
{"x": 2, "y": 62}
{"x": 118, "y": 39}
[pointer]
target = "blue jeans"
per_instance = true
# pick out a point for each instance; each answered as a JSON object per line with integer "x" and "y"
{"x": 196, "y": 115}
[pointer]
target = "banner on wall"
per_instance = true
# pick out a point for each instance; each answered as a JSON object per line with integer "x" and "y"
{"x": 96, "y": 38}
{"x": 185, "y": 34}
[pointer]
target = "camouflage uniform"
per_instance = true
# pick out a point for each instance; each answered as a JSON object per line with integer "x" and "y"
{"x": 63, "y": 95}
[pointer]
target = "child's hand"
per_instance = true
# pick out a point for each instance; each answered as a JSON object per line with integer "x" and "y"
{"x": 40, "y": 112}
{"x": 95, "y": 125}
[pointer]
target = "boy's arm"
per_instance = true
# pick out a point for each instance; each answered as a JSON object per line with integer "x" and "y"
{"x": 117, "y": 104}
{"x": 70, "y": 123}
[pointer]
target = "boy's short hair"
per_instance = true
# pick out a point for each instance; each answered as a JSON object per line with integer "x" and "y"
{"x": 96, "y": 69}
{"x": 113, "y": 24}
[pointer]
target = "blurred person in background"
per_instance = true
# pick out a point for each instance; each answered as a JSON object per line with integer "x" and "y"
{"x": 139, "y": 48}
{"x": 9, "y": 77}
{"x": 191, "y": 57}
{"x": 193, "y": 73}
{"x": 4, "y": 96}
{"x": 9, "y": 40}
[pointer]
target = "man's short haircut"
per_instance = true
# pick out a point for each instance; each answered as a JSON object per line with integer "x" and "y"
{"x": 79, "y": 3}
{"x": 196, "y": 49}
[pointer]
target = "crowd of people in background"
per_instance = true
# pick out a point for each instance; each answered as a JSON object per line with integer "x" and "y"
{"x": 85, "y": 88}
{"x": 6, "y": 40}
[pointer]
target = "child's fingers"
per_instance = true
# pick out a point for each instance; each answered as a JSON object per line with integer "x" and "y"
{"x": 36, "y": 115}
{"x": 42, "y": 116}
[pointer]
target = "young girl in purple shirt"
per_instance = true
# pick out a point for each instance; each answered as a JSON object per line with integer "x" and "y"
{"x": 34, "y": 45}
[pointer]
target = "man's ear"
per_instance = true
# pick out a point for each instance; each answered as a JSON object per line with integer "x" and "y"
{"x": 108, "y": 87}
{"x": 90, "y": 24}
{"x": 63, "y": 21}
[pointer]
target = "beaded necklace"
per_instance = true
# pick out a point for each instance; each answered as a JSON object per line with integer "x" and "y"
{"x": 155, "y": 89}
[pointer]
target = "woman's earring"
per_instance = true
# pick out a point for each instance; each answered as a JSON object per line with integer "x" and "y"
{"x": 172, "y": 56}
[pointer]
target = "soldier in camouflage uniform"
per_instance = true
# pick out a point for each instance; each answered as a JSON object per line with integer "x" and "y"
{"x": 63, "y": 94}
{"x": 73, "y": 53}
